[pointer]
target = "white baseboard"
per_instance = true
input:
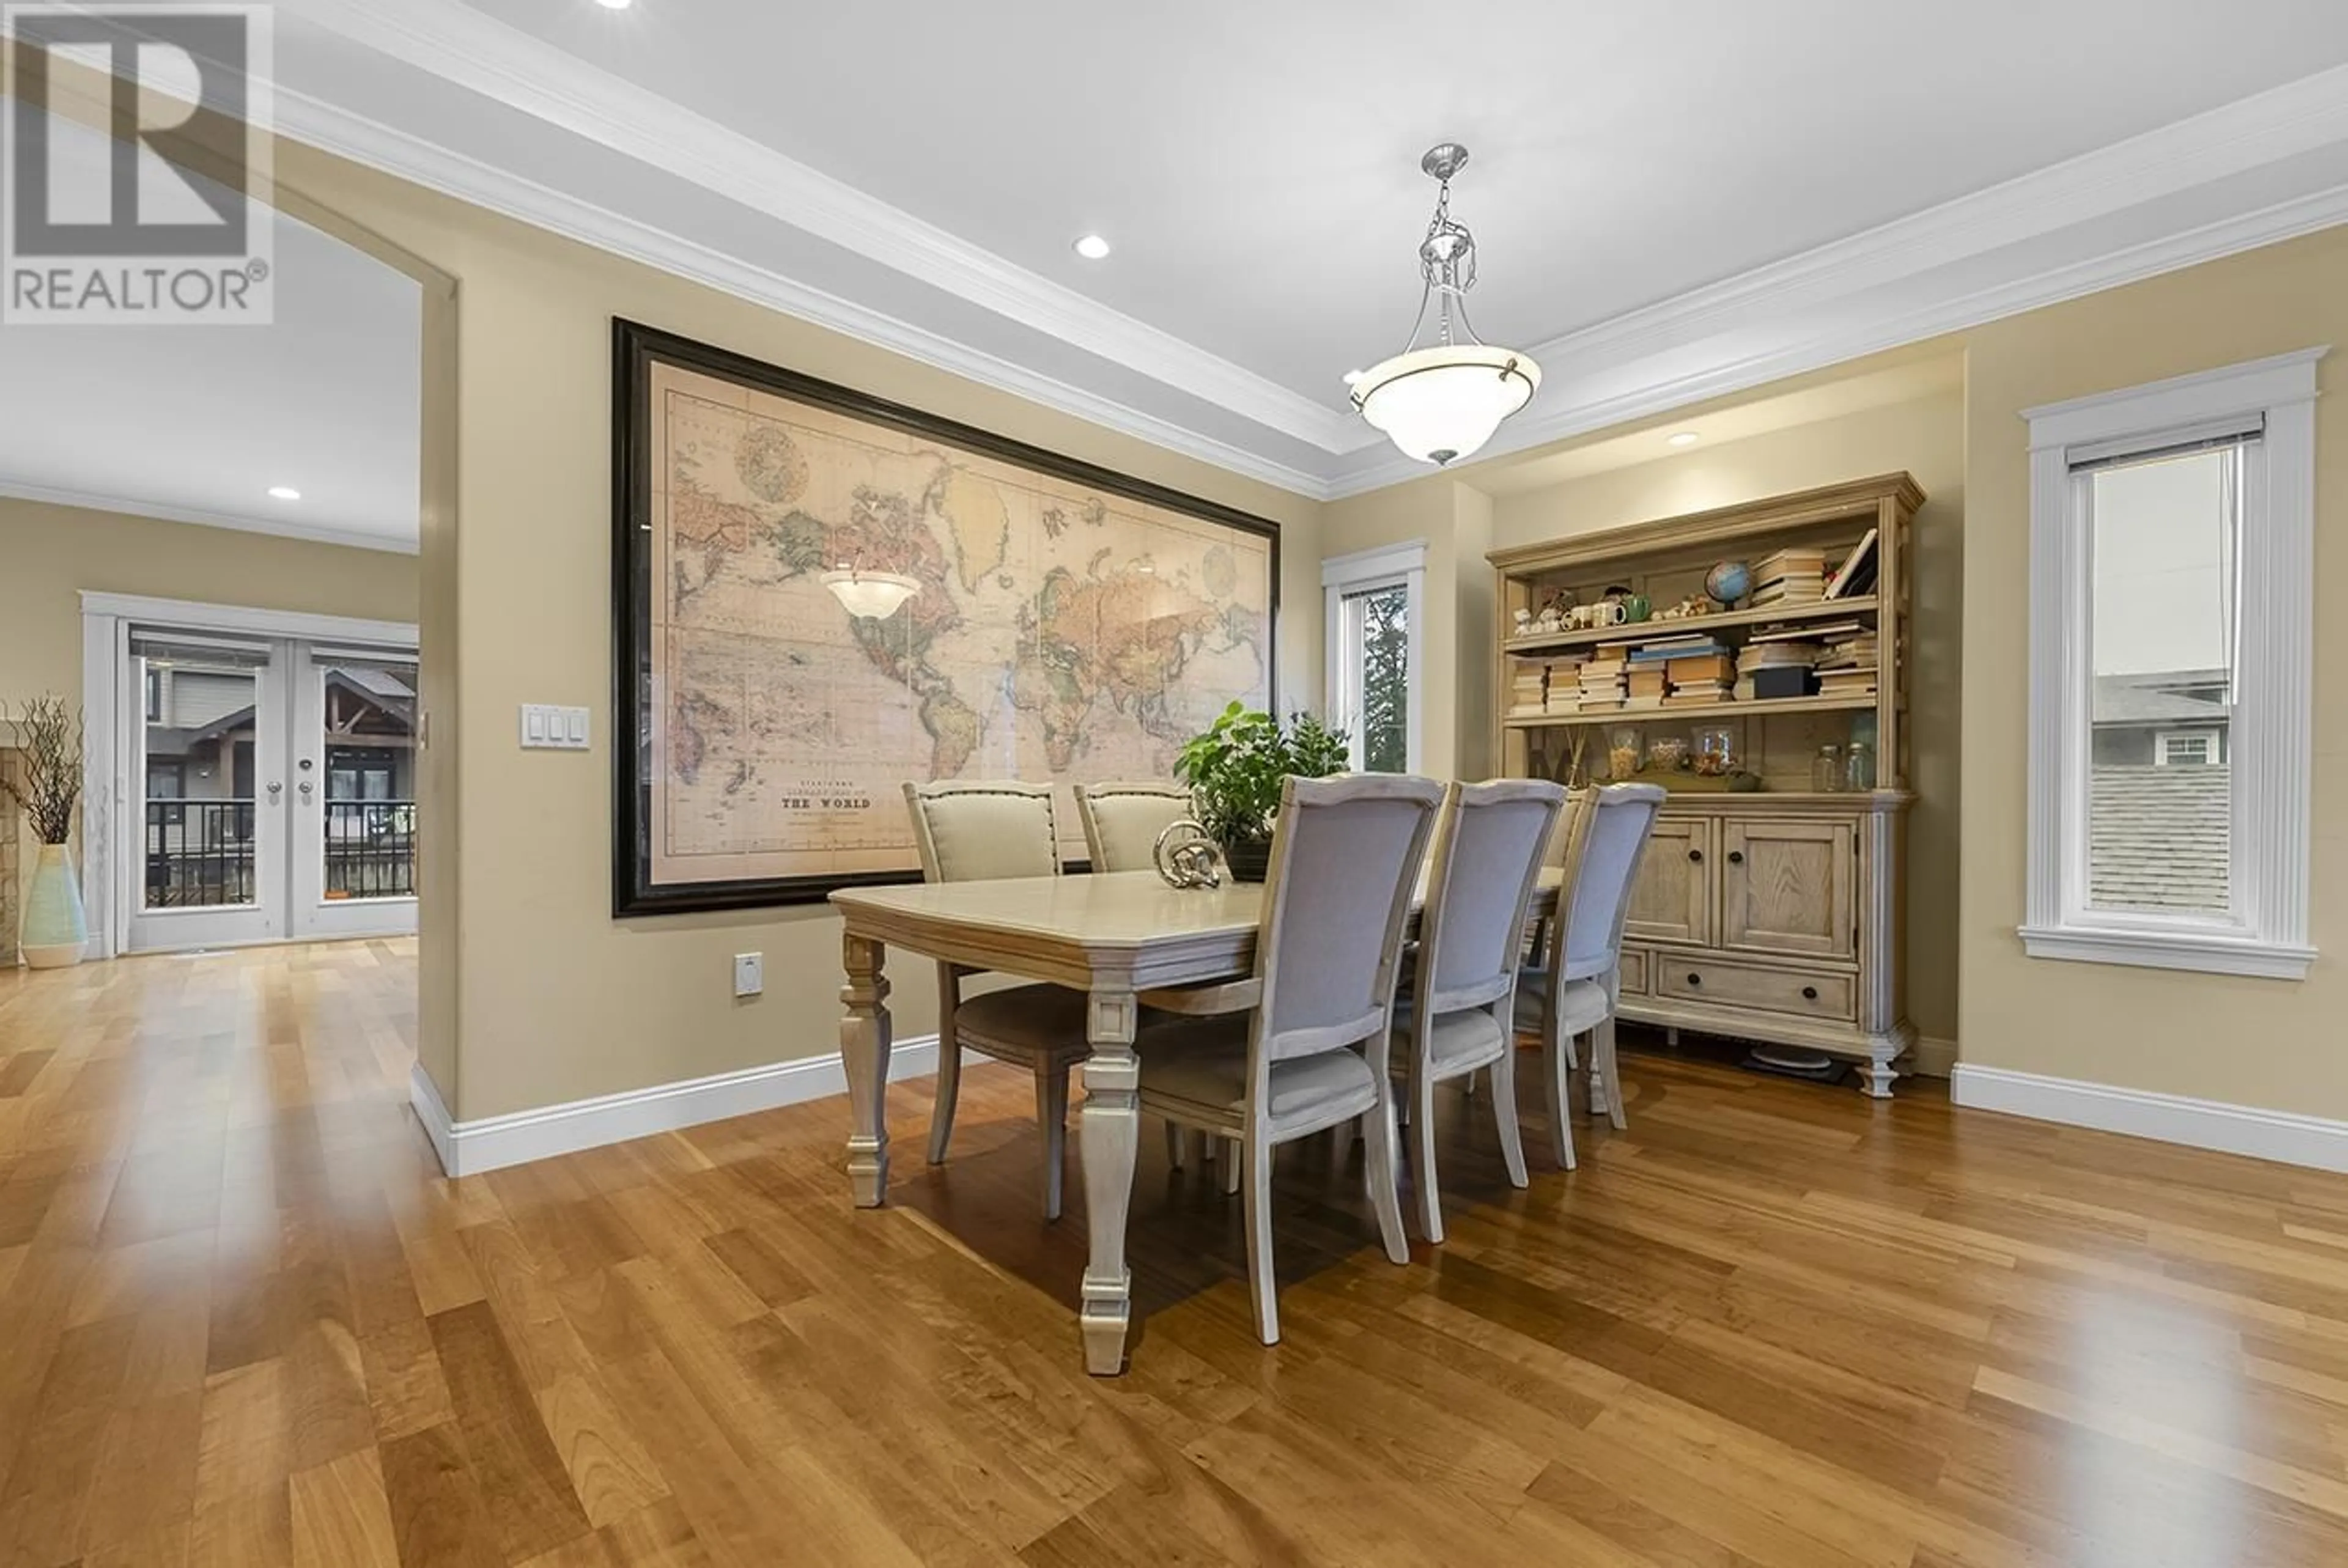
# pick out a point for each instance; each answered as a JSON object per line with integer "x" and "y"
{"x": 2279, "y": 1135}
{"x": 493, "y": 1143}
{"x": 1930, "y": 1057}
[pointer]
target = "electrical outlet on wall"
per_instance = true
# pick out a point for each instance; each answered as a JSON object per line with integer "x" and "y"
{"x": 749, "y": 974}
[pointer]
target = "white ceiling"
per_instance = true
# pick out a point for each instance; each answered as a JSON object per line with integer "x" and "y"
{"x": 1675, "y": 201}
{"x": 197, "y": 423}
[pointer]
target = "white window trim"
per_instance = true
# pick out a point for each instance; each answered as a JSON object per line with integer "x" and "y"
{"x": 2269, "y": 738}
{"x": 1400, "y": 566}
{"x": 2213, "y": 755}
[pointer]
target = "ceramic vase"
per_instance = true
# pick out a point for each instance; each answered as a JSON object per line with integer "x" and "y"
{"x": 55, "y": 928}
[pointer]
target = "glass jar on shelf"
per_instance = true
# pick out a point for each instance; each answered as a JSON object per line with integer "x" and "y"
{"x": 1858, "y": 767}
{"x": 1715, "y": 751}
{"x": 1624, "y": 754}
{"x": 1826, "y": 769}
{"x": 1668, "y": 753}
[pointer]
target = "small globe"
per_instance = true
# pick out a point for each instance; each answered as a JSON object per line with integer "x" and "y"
{"x": 1728, "y": 582}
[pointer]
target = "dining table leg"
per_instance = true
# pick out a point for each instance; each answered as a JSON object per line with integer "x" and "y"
{"x": 1111, "y": 1138}
{"x": 864, "y": 1051}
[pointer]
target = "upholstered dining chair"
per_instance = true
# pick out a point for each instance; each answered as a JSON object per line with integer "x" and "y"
{"x": 1123, "y": 822}
{"x": 1576, "y": 983}
{"x": 1458, "y": 1015}
{"x": 965, "y": 833}
{"x": 1301, "y": 1046}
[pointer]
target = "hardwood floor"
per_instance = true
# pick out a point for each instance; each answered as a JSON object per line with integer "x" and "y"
{"x": 244, "y": 1322}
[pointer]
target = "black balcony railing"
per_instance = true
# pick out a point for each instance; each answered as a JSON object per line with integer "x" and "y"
{"x": 370, "y": 850}
{"x": 199, "y": 853}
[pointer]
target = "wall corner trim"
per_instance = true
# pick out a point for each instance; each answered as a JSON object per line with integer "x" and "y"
{"x": 2282, "y": 1136}
{"x": 493, "y": 1143}
{"x": 1930, "y": 1057}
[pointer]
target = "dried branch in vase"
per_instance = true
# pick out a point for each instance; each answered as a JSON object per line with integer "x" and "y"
{"x": 49, "y": 733}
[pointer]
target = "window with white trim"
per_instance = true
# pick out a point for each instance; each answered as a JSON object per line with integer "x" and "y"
{"x": 2171, "y": 654}
{"x": 1376, "y": 618}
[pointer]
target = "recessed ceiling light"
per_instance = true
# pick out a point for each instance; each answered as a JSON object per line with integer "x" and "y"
{"x": 1684, "y": 438}
{"x": 614, "y": 4}
{"x": 1092, "y": 248}
{"x": 284, "y": 493}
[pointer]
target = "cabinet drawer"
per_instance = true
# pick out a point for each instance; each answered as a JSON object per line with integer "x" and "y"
{"x": 1804, "y": 993}
{"x": 1634, "y": 972}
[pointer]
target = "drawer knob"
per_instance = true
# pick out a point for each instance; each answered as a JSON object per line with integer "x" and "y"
{"x": 1809, "y": 993}
{"x": 1695, "y": 855}
{"x": 1695, "y": 979}
{"x": 1736, "y": 857}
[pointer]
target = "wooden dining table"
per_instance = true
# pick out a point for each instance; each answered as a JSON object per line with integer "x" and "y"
{"x": 1111, "y": 937}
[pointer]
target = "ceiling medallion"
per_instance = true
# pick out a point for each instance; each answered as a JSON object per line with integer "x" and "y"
{"x": 870, "y": 595}
{"x": 1441, "y": 402}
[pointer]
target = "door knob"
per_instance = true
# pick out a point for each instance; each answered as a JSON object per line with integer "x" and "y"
{"x": 1809, "y": 993}
{"x": 1695, "y": 979}
{"x": 1736, "y": 857}
{"x": 276, "y": 788}
{"x": 1696, "y": 855}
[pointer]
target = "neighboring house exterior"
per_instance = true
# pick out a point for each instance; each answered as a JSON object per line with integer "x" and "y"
{"x": 2161, "y": 820}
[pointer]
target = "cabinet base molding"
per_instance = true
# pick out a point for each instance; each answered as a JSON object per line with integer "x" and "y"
{"x": 1874, "y": 1054}
{"x": 2282, "y": 1136}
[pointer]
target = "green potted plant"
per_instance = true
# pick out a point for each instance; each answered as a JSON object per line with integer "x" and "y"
{"x": 55, "y": 928}
{"x": 1235, "y": 770}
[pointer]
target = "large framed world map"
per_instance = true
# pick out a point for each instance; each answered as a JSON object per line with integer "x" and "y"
{"x": 1067, "y": 624}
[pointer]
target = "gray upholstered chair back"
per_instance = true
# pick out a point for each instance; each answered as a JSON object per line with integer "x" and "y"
{"x": 1489, "y": 852}
{"x": 1609, "y": 835}
{"x": 1346, "y": 859}
{"x": 1123, "y": 822}
{"x": 971, "y": 831}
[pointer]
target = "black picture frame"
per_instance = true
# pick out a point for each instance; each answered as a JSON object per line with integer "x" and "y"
{"x": 635, "y": 349}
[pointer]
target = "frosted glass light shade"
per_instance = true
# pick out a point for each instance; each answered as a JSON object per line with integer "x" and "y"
{"x": 1440, "y": 404}
{"x": 870, "y": 595}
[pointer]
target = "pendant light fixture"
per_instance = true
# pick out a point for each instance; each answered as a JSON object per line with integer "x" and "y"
{"x": 870, "y": 595}
{"x": 1441, "y": 402}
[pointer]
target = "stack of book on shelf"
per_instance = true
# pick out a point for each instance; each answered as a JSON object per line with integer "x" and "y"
{"x": 1602, "y": 682}
{"x": 1528, "y": 688}
{"x": 1683, "y": 672}
{"x": 1856, "y": 577}
{"x": 1778, "y": 663}
{"x": 1647, "y": 683}
{"x": 1847, "y": 669}
{"x": 1790, "y": 577}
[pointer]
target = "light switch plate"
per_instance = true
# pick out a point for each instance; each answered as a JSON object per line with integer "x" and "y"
{"x": 545, "y": 727}
{"x": 749, "y": 974}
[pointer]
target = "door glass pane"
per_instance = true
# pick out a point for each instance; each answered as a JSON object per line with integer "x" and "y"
{"x": 197, "y": 831}
{"x": 368, "y": 820}
{"x": 2160, "y": 817}
{"x": 1380, "y": 623}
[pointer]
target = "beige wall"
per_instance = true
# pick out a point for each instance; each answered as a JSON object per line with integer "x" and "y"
{"x": 555, "y": 1000}
{"x": 2275, "y": 1043}
{"x": 1926, "y": 438}
{"x": 49, "y": 554}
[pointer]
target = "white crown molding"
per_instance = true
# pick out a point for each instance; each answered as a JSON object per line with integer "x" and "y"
{"x": 88, "y": 500}
{"x": 502, "y": 62}
{"x": 2281, "y": 1135}
{"x": 493, "y": 1143}
{"x": 320, "y": 124}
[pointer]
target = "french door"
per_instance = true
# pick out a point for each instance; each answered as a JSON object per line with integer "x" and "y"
{"x": 272, "y": 789}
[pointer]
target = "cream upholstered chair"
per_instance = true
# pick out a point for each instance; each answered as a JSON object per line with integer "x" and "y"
{"x": 1123, "y": 822}
{"x": 1459, "y": 1014}
{"x": 1302, "y": 1045}
{"x": 1575, "y": 987}
{"x": 967, "y": 833}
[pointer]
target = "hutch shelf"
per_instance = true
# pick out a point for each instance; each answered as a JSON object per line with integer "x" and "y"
{"x": 1767, "y": 908}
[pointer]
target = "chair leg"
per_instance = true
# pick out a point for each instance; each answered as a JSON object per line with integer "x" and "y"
{"x": 1177, "y": 1145}
{"x": 1233, "y": 1160}
{"x": 1256, "y": 1156}
{"x": 941, "y": 1108}
{"x": 1557, "y": 1085}
{"x": 1468, "y": 1087}
{"x": 1381, "y": 1142}
{"x": 1504, "y": 1112}
{"x": 1602, "y": 1049}
{"x": 1052, "y": 1115}
{"x": 1422, "y": 1155}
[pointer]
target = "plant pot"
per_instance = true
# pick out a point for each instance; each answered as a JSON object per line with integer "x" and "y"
{"x": 1249, "y": 859}
{"x": 55, "y": 929}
